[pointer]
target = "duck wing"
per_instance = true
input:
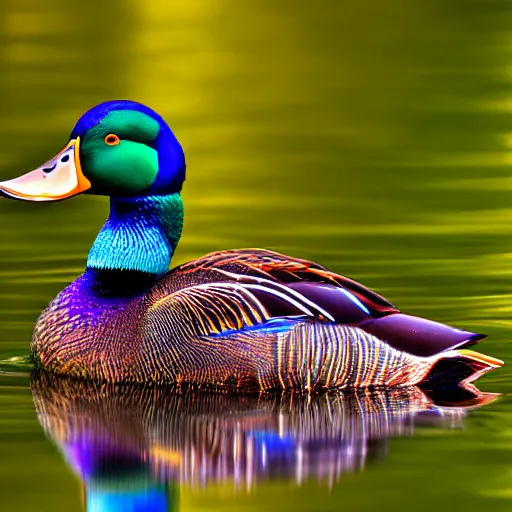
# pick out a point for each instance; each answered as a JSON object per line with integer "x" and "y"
{"x": 281, "y": 286}
{"x": 346, "y": 300}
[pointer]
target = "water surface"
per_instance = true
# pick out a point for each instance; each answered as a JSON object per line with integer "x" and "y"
{"x": 372, "y": 137}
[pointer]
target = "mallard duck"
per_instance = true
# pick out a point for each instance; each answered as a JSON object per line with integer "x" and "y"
{"x": 247, "y": 319}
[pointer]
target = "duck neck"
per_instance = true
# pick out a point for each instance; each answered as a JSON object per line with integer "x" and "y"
{"x": 139, "y": 237}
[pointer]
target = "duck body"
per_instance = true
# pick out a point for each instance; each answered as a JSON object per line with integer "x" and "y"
{"x": 227, "y": 320}
{"x": 249, "y": 319}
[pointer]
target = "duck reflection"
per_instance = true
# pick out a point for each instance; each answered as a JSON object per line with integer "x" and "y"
{"x": 133, "y": 446}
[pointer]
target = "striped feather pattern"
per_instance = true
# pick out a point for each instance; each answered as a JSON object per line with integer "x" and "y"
{"x": 213, "y": 322}
{"x": 305, "y": 355}
{"x": 314, "y": 356}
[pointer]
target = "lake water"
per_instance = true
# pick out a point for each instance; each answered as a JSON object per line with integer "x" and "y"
{"x": 372, "y": 137}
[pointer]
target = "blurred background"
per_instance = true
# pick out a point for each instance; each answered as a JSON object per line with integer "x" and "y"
{"x": 374, "y": 137}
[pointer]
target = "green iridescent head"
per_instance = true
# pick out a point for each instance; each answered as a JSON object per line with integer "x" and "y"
{"x": 118, "y": 148}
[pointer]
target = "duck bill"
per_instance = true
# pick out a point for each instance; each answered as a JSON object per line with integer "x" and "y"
{"x": 59, "y": 178}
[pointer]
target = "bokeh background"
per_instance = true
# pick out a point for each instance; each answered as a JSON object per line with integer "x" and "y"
{"x": 374, "y": 137}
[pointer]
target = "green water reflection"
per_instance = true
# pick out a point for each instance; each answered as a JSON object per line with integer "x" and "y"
{"x": 372, "y": 137}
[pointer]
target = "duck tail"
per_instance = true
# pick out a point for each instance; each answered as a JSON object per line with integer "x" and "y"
{"x": 457, "y": 367}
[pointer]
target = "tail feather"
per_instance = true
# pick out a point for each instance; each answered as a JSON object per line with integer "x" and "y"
{"x": 458, "y": 367}
{"x": 419, "y": 336}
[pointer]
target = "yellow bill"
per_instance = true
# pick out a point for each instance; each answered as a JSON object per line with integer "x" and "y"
{"x": 59, "y": 178}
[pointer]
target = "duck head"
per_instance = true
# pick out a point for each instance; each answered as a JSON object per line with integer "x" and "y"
{"x": 118, "y": 148}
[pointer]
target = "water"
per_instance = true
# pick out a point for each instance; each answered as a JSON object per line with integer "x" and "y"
{"x": 372, "y": 137}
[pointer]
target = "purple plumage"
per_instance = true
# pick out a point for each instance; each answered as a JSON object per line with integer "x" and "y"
{"x": 419, "y": 336}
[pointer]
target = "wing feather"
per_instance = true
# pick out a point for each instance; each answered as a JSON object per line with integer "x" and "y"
{"x": 211, "y": 308}
{"x": 328, "y": 295}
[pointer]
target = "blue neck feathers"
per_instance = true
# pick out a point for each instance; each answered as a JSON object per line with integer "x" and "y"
{"x": 140, "y": 234}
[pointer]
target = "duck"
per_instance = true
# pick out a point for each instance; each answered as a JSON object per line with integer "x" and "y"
{"x": 249, "y": 319}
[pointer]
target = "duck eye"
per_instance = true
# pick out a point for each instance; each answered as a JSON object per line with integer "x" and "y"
{"x": 112, "y": 140}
